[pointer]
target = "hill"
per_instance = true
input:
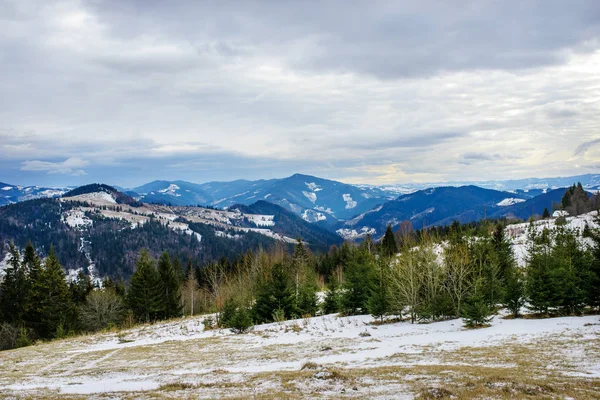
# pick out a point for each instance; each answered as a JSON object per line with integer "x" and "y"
{"x": 10, "y": 194}
{"x": 99, "y": 230}
{"x": 434, "y": 206}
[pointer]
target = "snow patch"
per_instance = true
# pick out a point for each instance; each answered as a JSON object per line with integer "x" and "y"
{"x": 7, "y": 188}
{"x": 349, "y": 202}
{"x": 313, "y": 186}
{"x": 310, "y": 195}
{"x": 313, "y": 216}
{"x": 353, "y": 234}
{"x": 171, "y": 190}
{"x": 509, "y": 202}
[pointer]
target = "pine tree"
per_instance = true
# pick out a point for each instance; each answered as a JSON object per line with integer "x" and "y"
{"x": 513, "y": 298}
{"x": 170, "y": 299}
{"x": 55, "y": 308}
{"x": 540, "y": 285}
{"x": 144, "y": 296}
{"x": 378, "y": 303}
{"x": 276, "y": 293}
{"x": 331, "y": 304}
{"x": 546, "y": 213}
{"x": 358, "y": 283}
{"x": 14, "y": 290}
{"x": 476, "y": 312}
{"x": 388, "y": 243}
{"x": 593, "y": 292}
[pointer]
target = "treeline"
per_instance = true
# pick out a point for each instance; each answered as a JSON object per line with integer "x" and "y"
{"x": 469, "y": 273}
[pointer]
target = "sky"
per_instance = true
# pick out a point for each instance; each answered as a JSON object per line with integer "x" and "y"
{"x": 129, "y": 91}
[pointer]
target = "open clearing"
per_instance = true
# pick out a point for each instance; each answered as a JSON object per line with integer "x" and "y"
{"x": 322, "y": 357}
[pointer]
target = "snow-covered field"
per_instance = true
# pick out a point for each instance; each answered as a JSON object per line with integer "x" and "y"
{"x": 322, "y": 357}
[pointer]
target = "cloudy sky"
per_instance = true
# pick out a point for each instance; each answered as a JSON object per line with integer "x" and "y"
{"x": 128, "y": 91}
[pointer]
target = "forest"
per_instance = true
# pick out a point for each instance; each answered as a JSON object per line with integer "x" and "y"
{"x": 463, "y": 271}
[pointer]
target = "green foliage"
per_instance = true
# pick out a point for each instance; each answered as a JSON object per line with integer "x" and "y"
{"x": 560, "y": 272}
{"x": 53, "y": 304}
{"x": 476, "y": 312}
{"x": 14, "y": 289}
{"x": 514, "y": 292}
{"x": 332, "y": 301}
{"x": 275, "y": 293}
{"x": 227, "y": 313}
{"x": 241, "y": 321}
{"x": 144, "y": 296}
{"x": 389, "y": 247}
{"x": 170, "y": 297}
{"x": 359, "y": 280}
{"x": 546, "y": 213}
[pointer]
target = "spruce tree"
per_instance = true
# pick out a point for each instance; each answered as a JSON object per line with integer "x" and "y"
{"x": 476, "y": 312}
{"x": 358, "y": 284}
{"x": 331, "y": 304}
{"x": 514, "y": 292}
{"x": 389, "y": 247}
{"x": 14, "y": 290}
{"x": 546, "y": 213}
{"x": 55, "y": 307}
{"x": 378, "y": 303}
{"x": 170, "y": 298}
{"x": 276, "y": 293}
{"x": 144, "y": 296}
{"x": 593, "y": 289}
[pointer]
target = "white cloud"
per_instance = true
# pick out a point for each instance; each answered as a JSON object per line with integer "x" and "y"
{"x": 71, "y": 166}
{"x": 415, "y": 93}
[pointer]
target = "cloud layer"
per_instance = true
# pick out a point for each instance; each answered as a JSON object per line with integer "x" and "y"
{"x": 381, "y": 92}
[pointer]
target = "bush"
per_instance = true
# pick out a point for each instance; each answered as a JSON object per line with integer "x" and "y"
{"x": 476, "y": 312}
{"x": 241, "y": 321}
{"x": 102, "y": 308}
{"x": 227, "y": 313}
{"x": 8, "y": 336}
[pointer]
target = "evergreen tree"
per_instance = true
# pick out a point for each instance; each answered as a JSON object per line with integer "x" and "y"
{"x": 276, "y": 293}
{"x": 540, "y": 285}
{"x": 358, "y": 284}
{"x": 80, "y": 288}
{"x": 388, "y": 244}
{"x": 331, "y": 304}
{"x": 378, "y": 303}
{"x": 14, "y": 290}
{"x": 55, "y": 307}
{"x": 476, "y": 312}
{"x": 546, "y": 213}
{"x": 144, "y": 296}
{"x": 593, "y": 292}
{"x": 513, "y": 298}
{"x": 307, "y": 297}
{"x": 170, "y": 298}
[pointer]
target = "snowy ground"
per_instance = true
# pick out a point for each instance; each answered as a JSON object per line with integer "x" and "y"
{"x": 322, "y": 357}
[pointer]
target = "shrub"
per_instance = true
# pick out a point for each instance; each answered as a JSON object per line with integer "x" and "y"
{"x": 241, "y": 321}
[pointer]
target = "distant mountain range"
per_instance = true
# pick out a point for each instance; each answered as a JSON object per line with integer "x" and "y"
{"x": 13, "y": 193}
{"x": 351, "y": 211}
{"x": 314, "y": 199}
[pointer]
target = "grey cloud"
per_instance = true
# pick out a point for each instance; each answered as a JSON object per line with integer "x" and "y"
{"x": 585, "y": 146}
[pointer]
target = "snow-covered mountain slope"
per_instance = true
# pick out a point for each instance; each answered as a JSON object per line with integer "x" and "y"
{"x": 518, "y": 233}
{"x": 14, "y": 193}
{"x": 433, "y": 206}
{"x": 315, "y": 199}
{"x": 96, "y": 226}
